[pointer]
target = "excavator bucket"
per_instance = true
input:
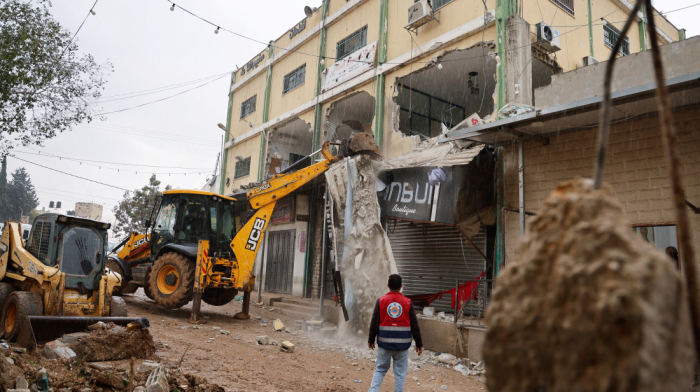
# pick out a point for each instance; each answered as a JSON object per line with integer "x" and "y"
{"x": 362, "y": 143}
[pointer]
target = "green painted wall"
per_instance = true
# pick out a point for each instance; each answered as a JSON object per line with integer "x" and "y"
{"x": 265, "y": 114}
{"x": 382, "y": 46}
{"x": 224, "y": 159}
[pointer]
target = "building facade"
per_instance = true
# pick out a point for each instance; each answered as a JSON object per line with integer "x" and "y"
{"x": 89, "y": 210}
{"x": 378, "y": 67}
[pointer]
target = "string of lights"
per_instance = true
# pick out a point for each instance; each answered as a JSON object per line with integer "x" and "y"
{"x": 69, "y": 174}
{"x": 219, "y": 28}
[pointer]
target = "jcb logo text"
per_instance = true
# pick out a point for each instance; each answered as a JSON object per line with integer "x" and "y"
{"x": 255, "y": 234}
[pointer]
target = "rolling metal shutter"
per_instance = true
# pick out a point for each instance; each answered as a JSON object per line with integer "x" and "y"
{"x": 430, "y": 259}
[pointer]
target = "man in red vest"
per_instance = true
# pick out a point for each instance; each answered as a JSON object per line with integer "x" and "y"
{"x": 393, "y": 323}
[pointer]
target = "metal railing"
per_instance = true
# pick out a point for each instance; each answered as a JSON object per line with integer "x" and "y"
{"x": 611, "y": 35}
{"x": 473, "y": 311}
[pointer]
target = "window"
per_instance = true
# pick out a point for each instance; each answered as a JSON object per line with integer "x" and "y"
{"x": 351, "y": 44}
{"x": 663, "y": 237}
{"x": 248, "y": 106}
{"x": 566, "y": 5}
{"x": 242, "y": 168}
{"x": 439, "y": 3}
{"x": 38, "y": 244}
{"x": 294, "y": 79}
{"x": 612, "y": 35}
{"x": 81, "y": 252}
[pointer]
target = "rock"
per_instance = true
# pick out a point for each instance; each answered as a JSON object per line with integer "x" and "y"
{"x": 137, "y": 389}
{"x": 263, "y": 340}
{"x": 415, "y": 378}
{"x": 90, "y": 389}
{"x": 216, "y": 329}
{"x": 18, "y": 390}
{"x": 72, "y": 338}
{"x": 287, "y": 347}
{"x": 148, "y": 366}
{"x": 355, "y": 364}
{"x": 259, "y": 318}
{"x": 20, "y": 350}
{"x": 428, "y": 311}
{"x": 96, "y": 326}
{"x": 196, "y": 326}
{"x": 239, "y": 337}
{"x": 263, "y": 325}
{"x": 157, "y": 382}
{"x": 278, "y": 325}
{"x": 442, "y": 315}
{"x": 223, "y": 332}
{"x": 10, "y": 361}
{"x": 446, "y": 358}
{"x": 273, "y": 343}
{"x": 21, "y": 383}
{"x": 444, "y": 387}
{"x": 287, "y": 330}
{"x": 298, "y": 325}
{"x": 58, "y": 350}
{"x": 587, "y": 304}
{"x": 104, "y": 366}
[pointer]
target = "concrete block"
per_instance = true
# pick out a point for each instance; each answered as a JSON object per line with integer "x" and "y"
{"x": 58, "y": 350}
{"x": 287, "y": 347}
{"x": 72, "y": 338}
{"x": 278, "y": 325}
{"x": 148, "y": 366}
{"x": 428, "y": 311}
{"x": 263, "y": 340}
{"x": 298, "y": 325}
{"x": 157, "y": 382}
{"x": 475, "y": 348}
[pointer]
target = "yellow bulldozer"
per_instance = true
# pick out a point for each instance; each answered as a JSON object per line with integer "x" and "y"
{"x": 202, "y": 246}
{"x": 56, "y": 282}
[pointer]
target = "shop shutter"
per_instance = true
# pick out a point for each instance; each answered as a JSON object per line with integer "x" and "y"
{"x": 429, "y": 258}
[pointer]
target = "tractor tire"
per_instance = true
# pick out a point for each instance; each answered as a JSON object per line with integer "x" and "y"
{"x": 171, "y": 280}
{"x": 147, "y": 286}
{"x": 5, "y": 290}
{"x": 19, "y": 303}
{"x": 118, "y": 308}
{"x": 126, "y": 287}
{"x": 218, "y": 297}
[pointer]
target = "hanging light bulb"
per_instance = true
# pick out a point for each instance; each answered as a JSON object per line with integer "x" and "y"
{"x": 439, "y": 65}
{"x": 217, "y": 30}
{"x": 173, "y": 7}
{"x": 93, "y": 12}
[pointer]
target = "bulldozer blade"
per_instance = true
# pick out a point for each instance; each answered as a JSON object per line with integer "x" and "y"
{"x": 26, "y": 334}
{"x": 363, "y": 143}
{"x": 48, "y": 328}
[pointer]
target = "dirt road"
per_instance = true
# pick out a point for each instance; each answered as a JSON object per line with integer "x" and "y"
{"x": 238, "y": 363}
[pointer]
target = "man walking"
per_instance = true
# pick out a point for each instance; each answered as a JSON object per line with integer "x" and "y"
{"x": 393, "y": 323}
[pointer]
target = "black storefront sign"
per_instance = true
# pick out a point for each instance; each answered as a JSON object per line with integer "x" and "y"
{"x": 467, "y": 189}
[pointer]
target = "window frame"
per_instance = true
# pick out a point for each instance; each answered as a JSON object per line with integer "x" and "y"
{"x": 362, "y": 31}
{"x": 287, "y": 77}
{"x": 254, "y": 99}
{"x": 568, "y": 8}
{"x": 435, "y": 8}
{"x": 625, "y": 44}
{"x": 240, "y": 165}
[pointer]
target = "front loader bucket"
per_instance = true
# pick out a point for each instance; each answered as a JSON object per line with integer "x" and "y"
{"x": 48, "y": 328}
{"x": 363, "y": 143}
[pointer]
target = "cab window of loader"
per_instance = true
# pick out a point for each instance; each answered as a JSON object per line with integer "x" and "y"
{"x": 38, "y": 244}
{"x": 222, "y": 224}
{"x": 81, "y": 252}
{"x": 166, "y": 220}
{"x": 194, "y": 220}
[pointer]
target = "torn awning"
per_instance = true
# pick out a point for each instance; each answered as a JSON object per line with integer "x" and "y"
{"x": 447, "y": 154}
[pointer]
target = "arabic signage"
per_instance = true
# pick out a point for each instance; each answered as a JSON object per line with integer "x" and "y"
{"x": 297, "y": 29}
{"x": 252, "y": 64}
{"x": 351, "y": 66}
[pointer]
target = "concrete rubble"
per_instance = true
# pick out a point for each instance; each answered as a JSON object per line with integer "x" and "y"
{"x": 58, "y": 350}
{"x": 157, "y": 381}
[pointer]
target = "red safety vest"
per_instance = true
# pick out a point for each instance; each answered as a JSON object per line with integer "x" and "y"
{"x": 394, "y": 322}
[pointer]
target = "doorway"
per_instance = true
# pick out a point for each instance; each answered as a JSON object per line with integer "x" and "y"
{"x": 280, "y": 262}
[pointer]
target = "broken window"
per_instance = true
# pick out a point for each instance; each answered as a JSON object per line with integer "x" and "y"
{"x": 566, "y": 5}
{"x": 248, "y": 106}
{"x": 349, "y": 116}
{"x": 242, "y": 168}
{"x": 351, "y": 44}
{"x": 612, "y": 35}
{"x": 287, "y": 144}
{"x": 439, "y": 96}
{"x": 81, "y": 251}
{"x": 294, "y": 79}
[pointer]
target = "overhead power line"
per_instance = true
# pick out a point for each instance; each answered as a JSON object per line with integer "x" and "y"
{"x": 70, "y": 174}
{"x": 45, "y": 154}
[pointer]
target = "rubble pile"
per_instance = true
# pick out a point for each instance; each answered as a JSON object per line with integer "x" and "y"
{"x": 588, "y": 305}
{"x": 109, "y": 359}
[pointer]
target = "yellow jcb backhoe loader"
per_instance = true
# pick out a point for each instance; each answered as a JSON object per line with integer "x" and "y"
{"x": 57, "y": 281}
{"x": 202, "y": 245}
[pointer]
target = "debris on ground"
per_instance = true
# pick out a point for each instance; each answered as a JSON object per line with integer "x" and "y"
{"x": 263, "y": 340}
{"x": 58, "y": 350}
{"x": 278, "y": 325}
{"x": 287, "y": 347}
{"x": 588, "y": 303}
{"x": 114, "y": 343}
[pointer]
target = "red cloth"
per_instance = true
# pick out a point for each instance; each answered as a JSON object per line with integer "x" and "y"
{"x": 465, "y": 290}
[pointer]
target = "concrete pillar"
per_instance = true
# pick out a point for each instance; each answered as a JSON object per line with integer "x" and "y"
{"x": 518, "y": 61}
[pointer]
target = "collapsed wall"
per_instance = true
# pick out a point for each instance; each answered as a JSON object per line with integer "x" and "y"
{"x": 362, "y": 245}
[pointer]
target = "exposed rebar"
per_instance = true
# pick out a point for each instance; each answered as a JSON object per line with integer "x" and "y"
{"x": 606, "y": 110}
{"x": 668, "y": 132}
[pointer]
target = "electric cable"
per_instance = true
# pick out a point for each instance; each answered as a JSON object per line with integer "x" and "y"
{"x": 69, "y": 174}
{"x": 110, "y": 163}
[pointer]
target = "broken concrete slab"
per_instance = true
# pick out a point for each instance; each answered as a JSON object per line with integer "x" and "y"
{"x": 104, "y": 366}
{"x": 148, "y": 366}
{"x": 278, "y": 325}
{"x": 58, "y": 350}
{"x": 72, "y": 338}
{"x": 157, "y": 382}
{"x": 21, "y": 383}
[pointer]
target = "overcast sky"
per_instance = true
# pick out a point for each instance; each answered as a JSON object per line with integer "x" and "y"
{"x": 151, "y": 47}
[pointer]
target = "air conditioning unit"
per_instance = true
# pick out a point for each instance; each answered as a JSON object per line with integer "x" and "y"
{"x": 547, "y": 37}
{"x": 420, "y": 13}
{"x": 589, "y": 60}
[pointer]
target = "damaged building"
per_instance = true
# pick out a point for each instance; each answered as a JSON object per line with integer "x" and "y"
{"x": 407, "y": 73}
